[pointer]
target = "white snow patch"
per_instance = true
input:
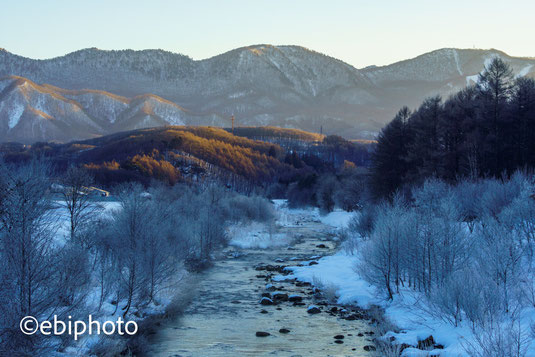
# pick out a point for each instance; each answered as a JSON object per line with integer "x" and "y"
{"x": 255, "y": 235}
{"x": 15, "y": 114}
{"x": 237, "y": 94}
{"x": 456, "y": 56}
{"x": 472, "y": 79}
{"x": 524, "y": 71}
{"x": 337, "y": 218}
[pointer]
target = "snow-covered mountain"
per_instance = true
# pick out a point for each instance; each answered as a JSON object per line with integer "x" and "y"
{"x": 443, "y": 72}
{"x": 287, "y": 86}
{"x": 30, "y": 112}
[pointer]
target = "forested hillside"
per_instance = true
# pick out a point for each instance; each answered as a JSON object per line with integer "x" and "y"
{"x": 199, "y": 155}
{"x": 487, "y": 129}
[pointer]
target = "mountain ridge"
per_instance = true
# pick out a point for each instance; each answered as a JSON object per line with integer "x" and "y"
{"x": 286, "y": 86}
{"x": 96, "y": 49}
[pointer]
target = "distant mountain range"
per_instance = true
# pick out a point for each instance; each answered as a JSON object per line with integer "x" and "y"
{"x": 93, "y": 92}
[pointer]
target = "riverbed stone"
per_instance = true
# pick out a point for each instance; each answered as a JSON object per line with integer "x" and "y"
{"x": 295, "y": 298}
{"x": 302, "y": 283}
{"x": 266, "y": 301}
{"x": 312, "y": 309}
{"x": 280, "y": 296}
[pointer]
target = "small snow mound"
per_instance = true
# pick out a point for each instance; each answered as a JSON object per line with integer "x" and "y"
{"x": 338, "y": 218}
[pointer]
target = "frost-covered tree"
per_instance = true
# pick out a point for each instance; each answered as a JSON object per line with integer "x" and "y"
{"x": 27, "y": 224}
{"x": 468, "y": 248}
{"x": 132, "y": 225}
{"x": 77, "y": 201}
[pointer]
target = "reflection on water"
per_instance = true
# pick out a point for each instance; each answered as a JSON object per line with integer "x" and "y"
{"x": 225, "y": 315}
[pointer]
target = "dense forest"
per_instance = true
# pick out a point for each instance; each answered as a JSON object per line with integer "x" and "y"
{"x": 484, "y": 130}
{"x": 202, "y": 155}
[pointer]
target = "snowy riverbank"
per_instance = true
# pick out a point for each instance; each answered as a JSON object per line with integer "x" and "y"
{"x": 408, "y": 311}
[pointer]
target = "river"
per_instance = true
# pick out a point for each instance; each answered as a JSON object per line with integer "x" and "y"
{"x": 226, "y": 313}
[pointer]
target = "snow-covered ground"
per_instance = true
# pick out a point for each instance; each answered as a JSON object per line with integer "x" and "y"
{"x": 339, "y": 271}
{"x": 110, "y": 309}
{"x": 294, "y": 217}
{"x": 337, "y": 219}
{"x": 408, "y": 311}
{"x": 62, "y": 230}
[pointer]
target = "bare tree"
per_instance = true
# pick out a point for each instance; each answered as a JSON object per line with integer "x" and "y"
{"x": 77, "y": 201}
{"x": 27, "y": 225}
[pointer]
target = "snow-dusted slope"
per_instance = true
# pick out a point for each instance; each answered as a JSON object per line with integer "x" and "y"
{"x": 449, "y": 68}
{"x": 288, "y": 86}
{"x": 30, "y": 112}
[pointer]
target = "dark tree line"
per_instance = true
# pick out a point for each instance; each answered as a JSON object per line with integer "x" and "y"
{"x": 484, "y": 130}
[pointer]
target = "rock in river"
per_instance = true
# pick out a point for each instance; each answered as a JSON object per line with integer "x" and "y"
{"x": 280, "y": 296}
{"x": 266, "y": 301}
{"x": 313, "y": 309}
{"x": 262, "y": 334}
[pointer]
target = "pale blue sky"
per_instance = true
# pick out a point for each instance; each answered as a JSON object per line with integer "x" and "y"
{"x": 358, "y": 32}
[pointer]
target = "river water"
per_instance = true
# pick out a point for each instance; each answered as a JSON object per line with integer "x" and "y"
{"x": 226, "y": 313}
